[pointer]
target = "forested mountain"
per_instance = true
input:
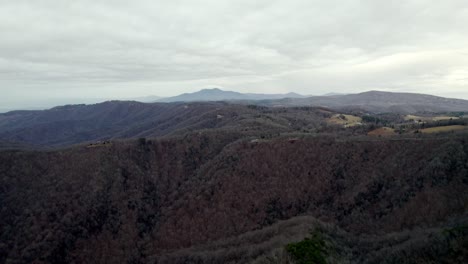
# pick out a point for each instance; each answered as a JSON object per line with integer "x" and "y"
{"x": 218, "y": 182}
{"x": 74, "y": 124}
{"x": 182, "y": 199}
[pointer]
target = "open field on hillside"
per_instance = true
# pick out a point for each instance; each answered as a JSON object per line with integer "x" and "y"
{"x": 416, "y": 118}
{"x": 345, "y": 120}
{"x": 441, "y": 118}
{"x": 382, "y": 131}
{"x": 443, "y": 129}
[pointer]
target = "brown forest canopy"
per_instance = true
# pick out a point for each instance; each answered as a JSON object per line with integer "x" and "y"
{"x": 136, "y": 201}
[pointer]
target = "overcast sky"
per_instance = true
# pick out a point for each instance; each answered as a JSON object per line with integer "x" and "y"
{"x": 53, "y": 50}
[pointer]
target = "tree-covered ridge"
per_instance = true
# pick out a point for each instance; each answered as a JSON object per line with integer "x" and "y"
{"x": 136, "y": 200}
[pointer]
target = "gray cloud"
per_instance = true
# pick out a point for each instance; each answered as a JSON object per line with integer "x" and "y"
{"x": 116, "y": 49}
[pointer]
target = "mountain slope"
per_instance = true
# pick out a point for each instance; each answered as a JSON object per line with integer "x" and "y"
{"x": 74, "y": 124}
{"x": 376, "y": 101}
{"x": 138, "y": 201}
{"x": 442, "y": 244}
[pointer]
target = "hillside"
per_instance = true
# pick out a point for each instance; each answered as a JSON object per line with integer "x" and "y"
{"x": 146, "y": 201}
{"x": 73, "y": 124}
{"x": 376, "y": 101}
{"x": 446, "y": 243}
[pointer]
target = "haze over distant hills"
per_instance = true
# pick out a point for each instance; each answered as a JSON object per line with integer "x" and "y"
{"x": 373, "y": 101}
{"x": 217, "y": 94}
{"x": 41, "y": 104}
{"x": 203, "y": 95}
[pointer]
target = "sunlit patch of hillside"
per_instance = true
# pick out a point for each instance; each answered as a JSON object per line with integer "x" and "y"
{"x": 419, "y": 119}
{"x": 382, "y": 131}
{"x": 443, "y": 129}
{"x": 345, "y": 120}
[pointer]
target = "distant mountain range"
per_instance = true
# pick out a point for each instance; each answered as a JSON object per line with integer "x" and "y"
{"x": 146, "y": 99}
{"x": 216, "y": 94}
{"x": 71, "y": 124}
{"x": 371, "y": 101}
{"x": 377, "y": 102}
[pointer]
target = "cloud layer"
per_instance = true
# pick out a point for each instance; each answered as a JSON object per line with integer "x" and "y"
{"x": 114, "y": 49}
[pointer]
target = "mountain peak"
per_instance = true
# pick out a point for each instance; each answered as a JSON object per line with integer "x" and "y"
{"x": 216, "y": 94}
{"x": 375, "y": 92}
{"x": 211, "y": 90}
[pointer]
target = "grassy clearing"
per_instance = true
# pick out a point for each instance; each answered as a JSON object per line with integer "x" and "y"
{"x": 443, "y": 129}
{"x": 413, "y": 117}
{"x": 382, "y": 131}
{"x": 345, "y": 120}
{"x": 417, "y": 119}
{"x": 441, "y": 118}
